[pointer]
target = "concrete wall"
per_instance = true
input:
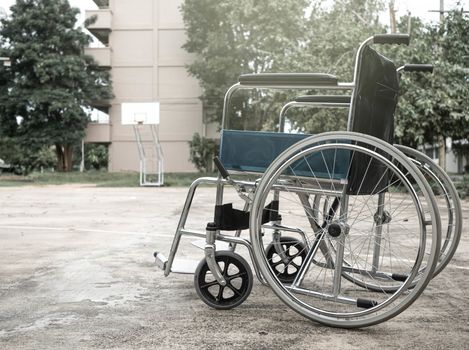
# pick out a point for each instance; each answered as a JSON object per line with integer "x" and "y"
{"x": 102, "y": 55}
{"x": 147, "y": 65}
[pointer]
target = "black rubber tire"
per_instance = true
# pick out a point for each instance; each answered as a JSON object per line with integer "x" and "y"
{"x": 287, "y": 276}
{"x": 243, "y": 276}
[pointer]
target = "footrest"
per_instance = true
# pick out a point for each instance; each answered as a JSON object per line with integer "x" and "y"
{"x": 184, "y": 266}
{"x": 160, "y": 260}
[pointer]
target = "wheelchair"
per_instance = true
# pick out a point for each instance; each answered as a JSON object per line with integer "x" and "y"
{"x": 343, "y": 226}
{"x": 449, "y": 204}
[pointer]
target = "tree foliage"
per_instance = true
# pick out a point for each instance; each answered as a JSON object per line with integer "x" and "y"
{"x": 230, "y": 38}
{"x": 436, "y": 105}
{"x": 24, "y": 160}
{"x": 253, "y": 36}
{"x": 333, "y": 36}
{"x": 51, "y": 80}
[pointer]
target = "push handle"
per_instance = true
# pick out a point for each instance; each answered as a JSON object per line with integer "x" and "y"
{"x": 224, "y": 173}
{"x": 391, "y": 39}
{"x": 418, "y": 68}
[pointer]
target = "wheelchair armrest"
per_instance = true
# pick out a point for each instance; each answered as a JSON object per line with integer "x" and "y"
{"x": 323, "y": 99}
{"x": 288, "y": 80}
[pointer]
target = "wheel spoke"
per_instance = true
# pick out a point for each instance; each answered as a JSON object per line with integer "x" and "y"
{"x": 220, "y": 293}
{"x": 239, "y": 274}
{"x": 208, "y": 285}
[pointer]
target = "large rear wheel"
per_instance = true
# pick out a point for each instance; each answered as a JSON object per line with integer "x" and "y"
{"x": 447, "y": 200}
{"x": 377, "y": 234}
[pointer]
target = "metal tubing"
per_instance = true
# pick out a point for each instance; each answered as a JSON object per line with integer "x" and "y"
{"x": 226, "y": 104}
{"x": 307, "y": 262}
{"x": 183, "y": 219}
{"x": 289, "y": 229}
{"x": 340, "y": 246}
{"x": 229, "y": 93}
{"x": 210, "y": 257}
{"x": 322, "y": 295}
{"x": 356, "y": 72}
{"x": 294, "y": 104}
{"x": 338, "y": 264}
{"x": 303, "y": 190}
{"x": 317, "y": 228}
{"x": 378, "y": 233}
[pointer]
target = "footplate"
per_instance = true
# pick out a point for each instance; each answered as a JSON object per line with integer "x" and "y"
{"x": 160, "y": 260}
{"x": 183, "y": 266}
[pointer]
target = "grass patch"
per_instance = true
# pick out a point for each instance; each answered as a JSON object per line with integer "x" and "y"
{"x": 184, "y": 179}
{"x": 98, "y": 178}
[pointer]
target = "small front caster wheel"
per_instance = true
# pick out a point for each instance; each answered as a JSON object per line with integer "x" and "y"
{"x": 295, "y": 253}
{"x": 237, "y": 274}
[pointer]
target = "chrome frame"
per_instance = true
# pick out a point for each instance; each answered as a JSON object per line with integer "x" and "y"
{"x": 437, "y": 174}
{"x": 220, "y": 182}
{"x": 211, "y": 236}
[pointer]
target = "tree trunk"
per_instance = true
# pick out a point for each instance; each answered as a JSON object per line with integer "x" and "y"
{"x": 442, "y": 152}
{"x": 64, "y": 157}
{"x": 465, "y": 168}
{"x": 60, "y": 157}
{"x": 68, "y": 152}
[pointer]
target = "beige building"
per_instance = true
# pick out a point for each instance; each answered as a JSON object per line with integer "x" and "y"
{"x": 142, "y": 47}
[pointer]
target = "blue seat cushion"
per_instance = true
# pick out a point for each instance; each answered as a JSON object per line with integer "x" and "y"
{"x": 254, "y": 151}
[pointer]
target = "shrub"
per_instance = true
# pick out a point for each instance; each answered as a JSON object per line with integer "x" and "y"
{"x": 202, "y": 151}
{"x": 96, "y": 156}
{"x": 24, "y": 160}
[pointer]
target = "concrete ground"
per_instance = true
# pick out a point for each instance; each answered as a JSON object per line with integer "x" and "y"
{"x": 77, "y": 272}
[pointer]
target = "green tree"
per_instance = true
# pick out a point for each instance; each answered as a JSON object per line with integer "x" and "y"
{"x": 434, "y": 107}
{"x": 51, "y": 80}
{"x": 230, "y": 38}
{"x": 24, "y": 160}
{"x": 332, "y": 38}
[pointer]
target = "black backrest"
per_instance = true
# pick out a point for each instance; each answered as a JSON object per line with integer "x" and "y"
{"x": 375, "y": 101}
{"x": 375, "y": 97}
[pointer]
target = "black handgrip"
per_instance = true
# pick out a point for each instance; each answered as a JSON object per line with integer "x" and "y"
{"x": 224, "y": 173}
{"x": 391, "y": 39}
{"x": 418, "y": 68}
